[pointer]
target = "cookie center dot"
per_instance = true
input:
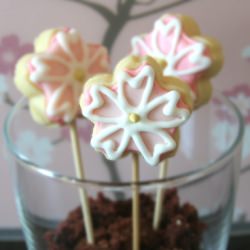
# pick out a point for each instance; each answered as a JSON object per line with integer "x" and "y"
{"x": 133, "y": 117}
{"x": 79, "y": 75}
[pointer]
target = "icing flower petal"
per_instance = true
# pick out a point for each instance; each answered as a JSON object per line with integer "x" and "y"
{"x": 98, "y": 59}
{"x": 59, "y": 102}
{"x": 97, "y": 109}
{"x": 163, "y": 143}
{"x": 58, "y": 70}
{"x": 147, "y": 126}
{"x": 137, "y": 84}
{"x": 166, "y": 104}
{"x": 110, "y": 142}
{"x": 67, "y": 44}
{"x": 45, "y": 68}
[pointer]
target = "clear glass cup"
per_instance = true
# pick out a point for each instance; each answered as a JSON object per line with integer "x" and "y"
{"x": 204, "y": 172}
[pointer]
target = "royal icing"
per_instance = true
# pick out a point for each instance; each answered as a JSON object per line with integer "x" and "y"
{"x": 133, "y": 114}
{"x": 62, "y": 69}
{"x": 185, "y": 57}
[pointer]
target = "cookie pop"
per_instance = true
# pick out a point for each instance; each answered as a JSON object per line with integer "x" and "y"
{"x": 52, "y": 79}
{"x": 190, "y": 56}
{"x": 176, "y": 40}
{"x": 136, "y": 110}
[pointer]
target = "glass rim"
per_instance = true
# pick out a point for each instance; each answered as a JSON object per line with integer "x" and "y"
{"x": 179, "y": 179}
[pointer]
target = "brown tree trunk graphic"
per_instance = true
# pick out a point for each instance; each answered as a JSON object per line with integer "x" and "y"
{"x": 116, "y": 21}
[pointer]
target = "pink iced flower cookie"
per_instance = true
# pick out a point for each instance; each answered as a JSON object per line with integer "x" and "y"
{"x": 189, "y": 56}
{"x": 53, "y": 76}
{"x": 136, "y": 109}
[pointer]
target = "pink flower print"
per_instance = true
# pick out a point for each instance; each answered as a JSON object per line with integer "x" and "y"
{"x": 185, "y": 57}
{"x": 41, "y": 153}
{"x": 240, "y": 95}
{"x": 59, "y": 70}
{"x": 133, "y": 113}
{"x": 246, "y": 53}
{"x": 10, "y": 51}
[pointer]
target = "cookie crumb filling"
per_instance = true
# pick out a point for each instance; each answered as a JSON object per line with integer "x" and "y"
{"x": 180, "y": 227}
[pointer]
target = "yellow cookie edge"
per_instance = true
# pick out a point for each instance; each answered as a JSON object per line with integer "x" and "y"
{"x": 22, "y": 77}
{"x": 38, "y": 110}
{"x": 42, "y": 42}
{"x": 215, "y": 53}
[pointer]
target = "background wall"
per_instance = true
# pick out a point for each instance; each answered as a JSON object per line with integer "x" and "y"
{"x": 21, "y": 21}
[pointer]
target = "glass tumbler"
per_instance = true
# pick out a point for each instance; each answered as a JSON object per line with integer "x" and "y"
{"x": 202, "y": 176}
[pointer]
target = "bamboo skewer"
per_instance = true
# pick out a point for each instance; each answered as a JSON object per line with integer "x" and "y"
{"x": 79, "y": 168}
{"x": 159, "y": 196}
{"x": 136, "y": 203}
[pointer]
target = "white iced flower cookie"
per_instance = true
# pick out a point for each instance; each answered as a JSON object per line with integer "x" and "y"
{"x": 136, "y": 109}
{"x": 53, "y": 76}
{"x": 189, "y": 56}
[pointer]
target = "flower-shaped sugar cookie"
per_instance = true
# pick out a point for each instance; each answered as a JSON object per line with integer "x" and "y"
{"x": 136, "y": 109}
{"x": 176, "y": 40}
{"x": 52, "y": 77}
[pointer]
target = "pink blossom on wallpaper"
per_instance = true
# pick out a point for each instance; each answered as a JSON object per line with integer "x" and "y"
{"x": 84, "y": 131}
{"x": 246, "y": 53}
{"x": 240, "y": 95}
{"x": 10, "y": 51}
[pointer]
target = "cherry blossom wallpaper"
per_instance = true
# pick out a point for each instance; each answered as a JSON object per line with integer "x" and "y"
{"x": 113, "y": 23}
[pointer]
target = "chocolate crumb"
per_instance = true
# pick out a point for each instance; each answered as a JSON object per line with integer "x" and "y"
{"x": 180, "y": 228}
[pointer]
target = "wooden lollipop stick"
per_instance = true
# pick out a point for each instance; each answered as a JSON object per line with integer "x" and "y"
{"x": 80, "y": 174}
{"x": 159, "y": 196}
{"x": 136, "y": 203}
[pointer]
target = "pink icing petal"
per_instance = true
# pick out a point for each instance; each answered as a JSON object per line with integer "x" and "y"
{"x": 107, "y": 109}
{"x": 54, "y": 68}
{"x": 157, "y": 113}
{"x": 56, "y": 49}
{"x": 98, "y": 59}
{"x": 74, "y": 49}
{"x": 114, "y": 138}
{"x": 150, "y": 140}
{"x": 78, "y": 50}
{"x": 65, "y": 102}
{"x": 134, "y": 95}
{"x": 153, "y": 145}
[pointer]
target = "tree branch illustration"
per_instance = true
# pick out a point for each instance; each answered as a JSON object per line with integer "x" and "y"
{"x": 119, "y": 4}
{"x": 101, "y": 9}
{"x": 117, "y": 24}
{"x": 144, "y": 2}
{"x": 112, "y": 168}
{"x": 116, "y": 21}
{"x": 158, "y": 9}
